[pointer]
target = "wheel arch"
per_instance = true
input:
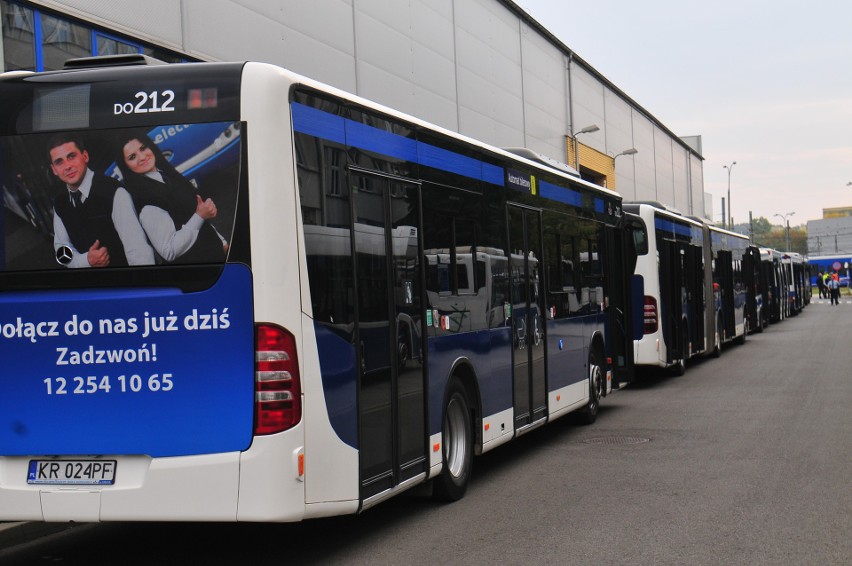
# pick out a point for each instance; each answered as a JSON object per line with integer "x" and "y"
{"x": 598, "y": 345}
{"x": 463, "y": 372}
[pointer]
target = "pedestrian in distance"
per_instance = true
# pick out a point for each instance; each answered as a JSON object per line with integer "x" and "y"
{"x": 834, "y": 290}
{"x": 821, "y": 285}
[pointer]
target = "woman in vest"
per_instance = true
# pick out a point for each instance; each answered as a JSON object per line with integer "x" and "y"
{"x": 174, "y": 216}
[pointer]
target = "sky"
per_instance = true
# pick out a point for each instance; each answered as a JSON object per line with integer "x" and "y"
{"x": 767, "y": 84}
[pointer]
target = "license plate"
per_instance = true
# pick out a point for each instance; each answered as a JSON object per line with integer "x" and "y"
{"x": 71, "y": 472}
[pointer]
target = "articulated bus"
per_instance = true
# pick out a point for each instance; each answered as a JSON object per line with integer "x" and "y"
{"x": 670, "y": 289}
{"x": 734, "y": 259}
{"x": 788, "y": 275}
{"x": 795, "y": 268}
{"x": 693, "y": 291}
{"x": 773, "y": 279}
{"x": 382, "y": 300}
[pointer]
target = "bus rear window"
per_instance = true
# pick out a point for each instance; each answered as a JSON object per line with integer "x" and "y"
{"x": 120, "y": 197}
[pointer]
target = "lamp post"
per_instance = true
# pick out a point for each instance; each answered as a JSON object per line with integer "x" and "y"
{"x": 586, "y": 130}
{"x": 631, "y": 151}
{"x": 729, "y": 167}
{"x": 786, "y": 218}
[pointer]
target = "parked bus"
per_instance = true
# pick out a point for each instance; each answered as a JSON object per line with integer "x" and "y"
{"x": 773, "y": 279}
{"x": 734, "y": 259}
{"x": 839, "y": 264}
{"x": 388, "y": 298}
{"x": 670, "y": 286}
{"x": 795, "y": 269}
{"x": 695, "y": 289}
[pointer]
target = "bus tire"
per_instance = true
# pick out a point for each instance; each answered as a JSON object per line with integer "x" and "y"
{"x": 457, "y": 439}
{"x": 589, "y": 413}
{"x": 679, "y": 367}
{"x": 739, "y": 340}
{"x": 717, "y": 340}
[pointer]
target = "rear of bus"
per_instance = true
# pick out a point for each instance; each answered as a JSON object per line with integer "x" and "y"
{"x": 163, "y": 389}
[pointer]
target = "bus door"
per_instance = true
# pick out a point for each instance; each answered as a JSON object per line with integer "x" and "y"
{"x": 621, "y": 255}
{"x": 391, "y": 376}
{"x": 751, "y": 280}
{"x": 694, "y": 259}
{"x": 525, "y": 241}
{"x": 725, "y": 265}
{"x": 671, "y": 297}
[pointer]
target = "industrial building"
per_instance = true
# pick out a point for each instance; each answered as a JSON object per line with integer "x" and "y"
{"x": 484, "y": 68}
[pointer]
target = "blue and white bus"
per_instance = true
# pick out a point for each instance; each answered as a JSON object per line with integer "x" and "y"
{"x": 796, "y": 270}
{"x": 670, "y": 286}
{"x": 694, "y": 288}
{"x": 733, "y": 283}
{"x": 773, "y": 279}
{"x": 839, "y": 263}
{"x": 394, "y": 298}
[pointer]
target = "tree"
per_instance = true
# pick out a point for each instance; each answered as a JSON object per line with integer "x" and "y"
{"x": 761, "y": 228}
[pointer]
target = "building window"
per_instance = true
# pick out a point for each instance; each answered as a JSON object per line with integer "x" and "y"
{"x": 62, "y": 40}
{"x": 34, "y": 40}
{"x": 18, "y": 37}
{"x": 107, "y": 45}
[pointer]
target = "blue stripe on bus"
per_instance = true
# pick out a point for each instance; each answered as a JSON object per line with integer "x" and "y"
{"x": 317, "y": 123}
{"x": 728, "y": 242}
{"x": 327, "y": 126}
{"x": 560, "y": 194}
{"x": 674, "y": 227}
{"x": 446, "y": 160}
{"x": 379, "y": 141}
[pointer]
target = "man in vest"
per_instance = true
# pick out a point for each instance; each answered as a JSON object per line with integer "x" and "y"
{"x": 834, "y": 289}
{"x": 94, "y": 221}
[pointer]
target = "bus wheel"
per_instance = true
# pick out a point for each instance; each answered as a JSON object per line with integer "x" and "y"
{"x": 589, "y": 414}
{"x": 742, "y": 338}
{"x": 717, "y": 341}
{"x": 679, "y": 367}
{"x": 458, "y": 446}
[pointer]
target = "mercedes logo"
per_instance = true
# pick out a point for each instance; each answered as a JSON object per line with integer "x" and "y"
{"x": 64, "y": 255}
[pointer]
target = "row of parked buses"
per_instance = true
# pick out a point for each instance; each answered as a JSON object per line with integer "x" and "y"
{"x": 698, "y": 287}
{"x": 391, "y": 298}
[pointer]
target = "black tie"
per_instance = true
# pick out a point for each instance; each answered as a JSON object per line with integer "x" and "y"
{"x": 76, "y": 198}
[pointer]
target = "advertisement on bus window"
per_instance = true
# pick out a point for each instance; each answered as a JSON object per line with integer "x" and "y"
{"x": 115, "y": 198}
{"x": 142, "y": 368}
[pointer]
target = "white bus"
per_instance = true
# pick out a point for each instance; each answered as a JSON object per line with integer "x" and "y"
{"x": 384, "y": 300}
{"x": 693, "y": 291}
{"x": 670, "y": 290}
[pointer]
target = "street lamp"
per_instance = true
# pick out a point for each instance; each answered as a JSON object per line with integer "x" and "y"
{"x": 631, "y": 151}
{"x": 729, "y": 167}
{"x": 785, "y": 218}
{"x": 586, "y": 130}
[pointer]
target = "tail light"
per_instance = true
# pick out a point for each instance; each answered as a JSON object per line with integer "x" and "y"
{"x": 278, "y": 392}
{"x": 649, "y": 315}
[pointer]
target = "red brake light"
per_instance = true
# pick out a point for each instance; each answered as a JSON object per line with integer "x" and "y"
{"x": 649, "y": 315}
{"x": 277, "y": 386}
